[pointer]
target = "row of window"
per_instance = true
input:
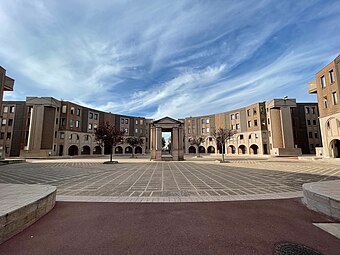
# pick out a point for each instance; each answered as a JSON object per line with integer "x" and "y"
{"x": 310, "y": 135}
{"x": 8, "y": 135}
{"x": 11, "y": 109}
{"x": 124, "y": 121}
{"x": 140, "y": 130}
{"x": 4, "y": 122}
{"x": 334, "y": 100}
{"x": 331, "y": 79}
{"x": 309, "y": 122}
{"x": 310, "y": 110}
{"x": 140, "y": 122}
{"x": 93, "y": 116}
{"x": 235, "y": 116}
{"x": 249, "y": 112}
{"x": 204, "y": 130}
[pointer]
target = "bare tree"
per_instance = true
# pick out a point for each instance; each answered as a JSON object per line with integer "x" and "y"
{"x": 222, "y": 136}
{"x": 134, "y": 142}
{"x": 109, "y": 135}
{"x": 196, "y": 140}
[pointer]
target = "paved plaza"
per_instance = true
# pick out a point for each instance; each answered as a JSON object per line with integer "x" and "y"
{"x": 195, "y": 178}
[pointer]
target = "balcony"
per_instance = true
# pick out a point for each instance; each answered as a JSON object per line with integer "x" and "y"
{"x": 9, "y": 84}
{"x": 312, "y": 87}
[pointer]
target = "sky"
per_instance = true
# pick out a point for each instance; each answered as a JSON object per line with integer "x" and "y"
{"x": 166, "y": 58}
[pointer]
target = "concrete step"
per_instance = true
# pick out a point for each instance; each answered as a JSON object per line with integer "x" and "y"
{"x": 323, "y": 197}
{"x": 21, "y": 205}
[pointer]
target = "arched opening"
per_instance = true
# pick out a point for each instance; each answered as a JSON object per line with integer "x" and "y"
{"x": 242, "y": 149}
{"x": 253, "y": 149}
{"x": 138, "y": 150}
{"x": 128, "y": 150}
{"x": 201, "y": 149}
{"x": 86, "y": 150}
{"x": 73, "y": 150}
{"x": 335, "y": 148}
{"x": 211, "y": 149}
{"x": 119, "y": 150}
{"x": 231, "y": 149}
{"x": 192, "y": 149}
{"x": 97, "y": 150}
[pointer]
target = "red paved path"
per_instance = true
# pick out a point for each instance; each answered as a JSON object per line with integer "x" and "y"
{"x": 251, "y": 227}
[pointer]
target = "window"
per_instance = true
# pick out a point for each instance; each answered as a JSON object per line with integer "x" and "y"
{"x": 261, "y": 109}
{"x": 331, "y": 76}
{"x": 314, "y": 122}
{"x": 313, "y": 110}
{"x": 316, "y": 135}
{"x": 335, "y": 98}
{"x": 95, "y": 126}
{"x": 71, "y": 123}
{"x": 90, "y": 126}
{"x": 96, "y": 116}
{"x": 2, "y": 135}
{"x": 255, "y": 123}
{"x": 308, "y": 122}
{"x": 5, "y": 108}
{"x": 56, "y": 121}
{"x": 203, "y": 130}
{"x": 140, "y": 122}
{"x": 63, "y": 122}
{"x": 193, "y": 130}
{"x": 254, "y": 111}
{"x": 248, "y": 112}
{"x": 268, "y": 121}
{"x": 136, "y": 122}
{"x": 325, "y": 102}
{"x": 203, "y": 121}
{"x": 207, "y": 121}
{"x": 62, "y": 135}
{"x": 307, "y": 110}
{"x": 141, "y": 130}
{"x": 126, "y": 121}
{"x": 249, "y": 137}
{"x": 188, "y": 130}
{"x": 249, "y": 123}
{"x": 78, "y": 112}
{"x": 90, "y": 115}
{"x": 126, "y": 131}
{"x": 208, "y": 130}
{"x": 4, "y": 122}
{"x": 237, "y": 126}
{"x": 310, "y": 134}
{"x": 241, "y": 137}
{"x": 77, "y": 123}
{"x": 12, "y": 109}
{"x": 232, "y": 127}
{"x": 136, "y": 130}
{"x": 8, "y": 135}
{"x": 55, "y": 134}
{"x": 64, "y": 109}
{"x": 86, "y": 137}
{"x": 237, "y": 116}
{"x": 72, "y": 111}
{"x": 232, "y": 116}
{"x": 10, "y": 122}
{"x": 193, "y": 122}
{"x": 323, "y": 81}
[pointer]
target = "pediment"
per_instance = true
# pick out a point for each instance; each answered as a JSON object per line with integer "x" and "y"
{"x": 167, "y": 121}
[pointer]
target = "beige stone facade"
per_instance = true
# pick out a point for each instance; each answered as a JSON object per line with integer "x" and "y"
{"x": 264, "y": 128}
{"x": 327, "y": 87}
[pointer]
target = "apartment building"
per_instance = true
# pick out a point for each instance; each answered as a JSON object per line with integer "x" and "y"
{"x": 45, "y": 126}
{"x": 273, "y": 127}
{"x": 6, "y": 84}
{"x": 326, "y": 85}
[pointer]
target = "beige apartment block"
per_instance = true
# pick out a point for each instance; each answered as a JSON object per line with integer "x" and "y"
{"x": 278, "y": 127}
{"x": 327, "y": 87}
{"x": 6, "y": 84}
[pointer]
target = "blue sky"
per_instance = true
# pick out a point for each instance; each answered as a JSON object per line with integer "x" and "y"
{"x": 166, "y": 58}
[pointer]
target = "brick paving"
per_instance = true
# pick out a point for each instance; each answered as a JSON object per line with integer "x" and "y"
{"x": 145, "y": 179}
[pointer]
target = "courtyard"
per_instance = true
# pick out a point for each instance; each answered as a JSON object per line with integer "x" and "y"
{"x": 192, "y": 180}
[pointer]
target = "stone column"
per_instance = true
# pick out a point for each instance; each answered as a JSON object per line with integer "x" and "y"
{"x": 175, "y": 143}
{"x": 158, "y": 143}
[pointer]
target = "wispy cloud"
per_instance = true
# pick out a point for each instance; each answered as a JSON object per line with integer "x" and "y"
{"x": 156, "y": 58}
